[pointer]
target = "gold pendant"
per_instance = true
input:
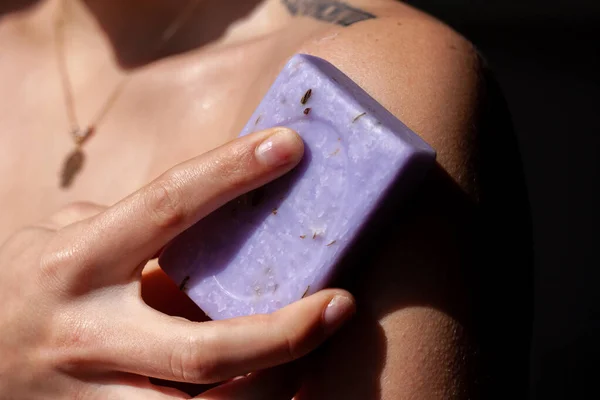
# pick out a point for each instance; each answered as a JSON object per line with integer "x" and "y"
{"x": 74, "y": 161}
{"x": 71, "y": 167}
{"x": 80, "y": 136}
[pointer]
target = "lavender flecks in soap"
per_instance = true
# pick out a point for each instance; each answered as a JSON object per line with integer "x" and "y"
{"x": 358, "y": 117}
{"x": 306, "y": 292}
{"x": 182, "y": 286}
{"x": 254, "y": 254}
{"x": 306, "y": 97}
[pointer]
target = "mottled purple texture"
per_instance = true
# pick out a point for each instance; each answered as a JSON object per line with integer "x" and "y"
{"x": 267, "y": 249}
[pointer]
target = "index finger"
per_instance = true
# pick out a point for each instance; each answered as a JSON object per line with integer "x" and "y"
{"x": 133, "y": 230}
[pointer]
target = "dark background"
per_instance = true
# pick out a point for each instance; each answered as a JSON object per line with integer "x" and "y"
{"x": 546, "y": 57}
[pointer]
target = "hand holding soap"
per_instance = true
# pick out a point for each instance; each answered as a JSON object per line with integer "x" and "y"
{"x": 283, "y": 241}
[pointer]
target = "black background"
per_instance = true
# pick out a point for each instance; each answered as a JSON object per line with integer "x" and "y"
{"x": 546, "y": 57}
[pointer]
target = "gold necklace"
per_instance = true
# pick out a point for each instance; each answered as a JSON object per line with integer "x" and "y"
{"x": 74, "y": 161}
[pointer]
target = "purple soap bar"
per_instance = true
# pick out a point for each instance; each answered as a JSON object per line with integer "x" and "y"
{"x": 281, "y": 242}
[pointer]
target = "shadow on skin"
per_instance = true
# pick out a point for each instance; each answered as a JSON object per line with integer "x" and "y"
{"x": 358, "y": 374}
{"x": 7, "y": 7}
{"x": 162, "y": 294}
{"x": 403, "y": 272}
{"x": 466, "y": 257}
{"x": 128, "y": 49}
{"x": 395, "y": 268}
{"x": 193, "y": 36}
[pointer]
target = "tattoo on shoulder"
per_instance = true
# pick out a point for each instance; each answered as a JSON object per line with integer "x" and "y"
{"x": 331, "y": 11}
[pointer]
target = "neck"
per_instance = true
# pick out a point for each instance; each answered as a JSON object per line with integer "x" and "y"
{"x": 139, "y": 31}
{"x": 134, "y": 30}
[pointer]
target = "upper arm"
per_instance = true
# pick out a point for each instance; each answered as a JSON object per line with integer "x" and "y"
{"x": 411, "y": 337}
{"x": 421, "y": 71}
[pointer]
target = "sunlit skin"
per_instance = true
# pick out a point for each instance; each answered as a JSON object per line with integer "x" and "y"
{"x": 194, "y": 96}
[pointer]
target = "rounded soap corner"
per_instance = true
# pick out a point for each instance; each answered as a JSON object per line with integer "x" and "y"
{"x": 296, "y": 60}
{"x": 302, "y": 58}
{"x": 425, "y": 152}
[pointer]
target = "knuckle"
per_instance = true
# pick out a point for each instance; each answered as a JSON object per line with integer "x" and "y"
{"x": 29, "y": 249}
{"x": 51, "y": 259}
{"x": 164, "y": 202}
{"x": 188, "y": 364}
{"x": 290, "y": 340}
{"x": 291, "y": 346}
{"x": 234, "y": 169}
{"x": 52, "y": 266}
{"x": 60, "y": 263}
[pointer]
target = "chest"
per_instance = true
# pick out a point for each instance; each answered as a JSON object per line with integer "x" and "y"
{"x": 163, "y": 116}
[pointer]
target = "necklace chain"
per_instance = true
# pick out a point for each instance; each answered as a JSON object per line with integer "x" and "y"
{"x": 74, "y": 161}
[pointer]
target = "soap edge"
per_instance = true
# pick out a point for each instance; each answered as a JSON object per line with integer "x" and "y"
{"x": 368, "y": 102}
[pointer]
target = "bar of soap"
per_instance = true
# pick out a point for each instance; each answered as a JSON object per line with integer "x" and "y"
{"x": 279, "y": 243}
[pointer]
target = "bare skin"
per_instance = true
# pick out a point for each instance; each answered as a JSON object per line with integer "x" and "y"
{"x": 74, "y": 324}
{"x": 186, "y": 104}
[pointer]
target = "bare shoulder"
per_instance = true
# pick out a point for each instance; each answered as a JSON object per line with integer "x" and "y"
{"x": 420, "y": 69}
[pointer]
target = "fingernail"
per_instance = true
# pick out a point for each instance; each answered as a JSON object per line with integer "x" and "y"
{"x": 339, "y": 309}
{"x": 282, "y": 147}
